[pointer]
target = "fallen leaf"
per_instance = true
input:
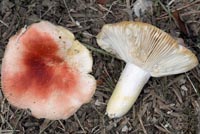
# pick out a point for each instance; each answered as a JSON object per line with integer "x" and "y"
{"x": 180, "y": 23}
{"x": 103, "y": 2}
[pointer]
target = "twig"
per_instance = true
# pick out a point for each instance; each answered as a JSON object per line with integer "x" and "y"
{"x": 188, "y": 5}
{"x": 168, "y": 12}
{"x": 2, "y": 105}
{"x": 9, "y": 125}
{"x": 76, "y": 117}
{"x": 106, "y": 9}
{"x": 189, "y": 13}
{"x": 181, "y": 8}
{"x": 47, "y": 124}
{"x": 197, "y": 92}
{"x": 129, "y": 10}
{"x": 193, "y": 21}
{"x": 99, "y": 113}
{"x": 20, "y": 34}
{"x": 162, "y": 129}
{"x": 198, "y": 115}
{"x": 4, "y": 23}
{"x": 3, "y": 120}
{"x": 9, "y": 131}
{"x": 144, "y": 130}
{"x": 63, "y": 127}
{"x": 109, "y": 81}
{"x": 196, "y": 76}
{"x": 172, "y": 1}
{"x": 72, "y": 19}
{"x": 175, "y": 80}
{"x": 98, "y": 50}
{"x": 182, "y": 15}
{"x": 177, "y": 93}
{"x": 109, "y": 10}
{"x": 46, "y": 11}
{"x": 18, "y": 120}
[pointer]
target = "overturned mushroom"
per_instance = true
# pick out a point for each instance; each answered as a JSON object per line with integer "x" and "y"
{"x": 147, "y": 51}
{"x": 45, "y": 69}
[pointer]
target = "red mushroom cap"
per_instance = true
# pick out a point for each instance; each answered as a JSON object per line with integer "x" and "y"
{"x": 45, "y": 69}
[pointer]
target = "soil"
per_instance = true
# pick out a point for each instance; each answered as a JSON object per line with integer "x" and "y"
{"x": 166, "y": 105}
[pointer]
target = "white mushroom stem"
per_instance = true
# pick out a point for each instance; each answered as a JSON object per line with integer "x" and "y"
{"x": 127, "y": 90}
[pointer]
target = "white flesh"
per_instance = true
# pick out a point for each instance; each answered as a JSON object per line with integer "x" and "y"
{"x": 127, "y": 90}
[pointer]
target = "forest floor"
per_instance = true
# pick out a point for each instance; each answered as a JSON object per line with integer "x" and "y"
{"x": 166, "y": 105}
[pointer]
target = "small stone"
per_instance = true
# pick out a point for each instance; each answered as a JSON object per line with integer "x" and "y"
{"x": 183, "y": 87}
{"x": 97, "y": 103}
{"x": 125, "y": 129}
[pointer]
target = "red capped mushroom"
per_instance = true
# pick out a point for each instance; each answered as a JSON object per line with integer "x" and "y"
{"x": 45, "y": 69}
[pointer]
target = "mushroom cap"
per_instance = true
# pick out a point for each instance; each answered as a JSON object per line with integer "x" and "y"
{"x": 45, "y": 69}
{"x": 147, "y": 47}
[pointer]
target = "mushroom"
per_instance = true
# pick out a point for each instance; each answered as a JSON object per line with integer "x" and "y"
{"x": 45, "y": 70}
{"x": 147, "y": 51}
